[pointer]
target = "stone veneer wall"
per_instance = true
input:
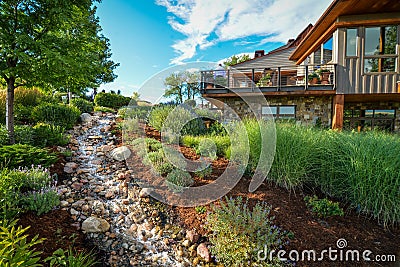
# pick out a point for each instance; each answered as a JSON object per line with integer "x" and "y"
{"x": 308, "y": 108}
{"x": 378, "y": 105}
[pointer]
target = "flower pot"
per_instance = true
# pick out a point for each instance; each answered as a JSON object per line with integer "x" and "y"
{"x": 325, "y": 77}
{"x": 313, "y": 81}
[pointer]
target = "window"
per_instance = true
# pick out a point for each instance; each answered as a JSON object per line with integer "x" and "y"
{"x": 351, "y": 42}
{"x": 371, "y": 119}
{"x": 280, "y": 112}
{"x": 380, "y": 49}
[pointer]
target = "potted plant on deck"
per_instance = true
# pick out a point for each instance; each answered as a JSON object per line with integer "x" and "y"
{"x": 313, "y": 78}
{"x": 324, "y": 75}
{"x": 265, "y": 80}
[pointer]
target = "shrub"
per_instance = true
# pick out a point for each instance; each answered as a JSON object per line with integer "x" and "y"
{"x": 204, "y": 173}
{"x": 41, "y": 201}
{"x": 200, "y": 209}
{"x": 139, "y": 112}
{"x": 207, "y": 148}
{"x": 323, "y": 207}
{"x": 110, "y": 100}
{"x": 103, "y": 109}
{"x": 24, "y": 134}
{"x": 49, "y": 135}
{"x": 154, "y": 158}
{"x": 164, "y": 168}
{"x": 3, "y": 135}
{"x": 178, "y": 179}
{"x": 15, "y": 249}
{"x": 14, "y": 156}
{"x": 158, "y": 115}
{"x": 57, "y": 114}
{"x": 83, "y": 105}
{"x": 153, "y": 144}
{"x": 15, "y": 185}
{"x": 237, "y": 233}
{"x": 71, "y": 258}
{"x": 222, "y": 143}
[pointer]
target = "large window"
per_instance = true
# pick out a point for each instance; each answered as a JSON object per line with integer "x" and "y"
{"x": 380, "y": 49}
{"x": 280, "y": 112}
{"x": 371, "y": 119}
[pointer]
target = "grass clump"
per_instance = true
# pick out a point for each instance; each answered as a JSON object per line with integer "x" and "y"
{"x": 178, "y": 179}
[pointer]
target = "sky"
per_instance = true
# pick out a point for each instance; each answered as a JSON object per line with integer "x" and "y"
{"x": 152, "y": 37}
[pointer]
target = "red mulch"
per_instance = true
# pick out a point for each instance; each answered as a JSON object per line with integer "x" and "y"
{"x": 291, "y": 214}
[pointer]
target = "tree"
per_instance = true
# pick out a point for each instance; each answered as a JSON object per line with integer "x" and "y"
{"x": 182, "y": 85}
{"x": 233, "y": 60}
{"x": 51, "y": 44}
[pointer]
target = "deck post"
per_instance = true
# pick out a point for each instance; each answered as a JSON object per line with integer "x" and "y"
{"x": 338, "y": 112}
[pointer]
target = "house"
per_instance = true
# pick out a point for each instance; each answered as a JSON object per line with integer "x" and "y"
{"x": 343, "y": 72}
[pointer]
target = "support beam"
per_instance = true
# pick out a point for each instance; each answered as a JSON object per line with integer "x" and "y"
{"x": 338, "y": 110}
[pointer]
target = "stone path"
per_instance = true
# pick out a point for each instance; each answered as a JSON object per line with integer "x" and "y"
{"x": 116, "y": 214}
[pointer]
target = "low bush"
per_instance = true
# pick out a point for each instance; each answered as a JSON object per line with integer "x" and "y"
{"x": 57, "y": 114}
{"x": 15, "y": 249}
{"x": 49, "y": 135}
{"x": 164, "y": 168}
{"x": 323, "y": 207}
{"x": 26, "y": 189}
{"x": 178, "y": 179}
{"x": 207, "y": 148}
{"x": 3, "y": 135}
{"x": 114, "y": 101}
{"x": 15, "y": 156}
{"x": 139, "y": 112}
{"x": 158, "y": 115}
{"x": 41, "y": 201}
{"x": 238, "y": 233}
{"x": 24, "y": 134}
{"x": 83, "y": 105}
{"x": 103, "y": 109}
{"x": 204, "y": 173}
{"x": 71, "y": 258}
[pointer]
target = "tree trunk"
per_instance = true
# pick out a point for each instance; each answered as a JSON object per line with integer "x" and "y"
{"x": 10, "y": 110}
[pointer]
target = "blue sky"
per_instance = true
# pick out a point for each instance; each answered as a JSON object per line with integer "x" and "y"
{"x": 148, "y": 36}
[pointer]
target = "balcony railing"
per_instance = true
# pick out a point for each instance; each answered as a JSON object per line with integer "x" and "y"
{"x": 270, "y": 79}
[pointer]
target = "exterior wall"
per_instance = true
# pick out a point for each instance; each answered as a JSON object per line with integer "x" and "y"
{"x": 309, "y": 109}
{"x": 378, "y": 105}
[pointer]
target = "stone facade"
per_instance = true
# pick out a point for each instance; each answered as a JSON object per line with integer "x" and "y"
{"x": 310, "y": 110}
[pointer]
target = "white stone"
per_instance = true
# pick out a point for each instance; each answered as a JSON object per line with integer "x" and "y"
{"x": 86, "y": 117}
{"x": 120, "y": 153}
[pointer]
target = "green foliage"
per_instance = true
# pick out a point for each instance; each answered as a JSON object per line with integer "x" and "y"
{"x": 233, "y": 60}
{"x": 200, "y": 209}
{"x": 15, "y": 250}
{"x": 323, "y": 207}
{"x": 3, "y": 135}
{"x": 237, "y": 233}
{"x": 57, "y": 114}
{"x": 178, "y": 179}
{"x": 41, "y": 202}
{"x": 70, "y": 258}
{"x": 103, "y": 109}
{"x": 15, "y": 185}
{"x": 49, "y": 135}
{"x": 204, "y": 173}
{"x": 139, "y": 112}
{"x": 83, "y": 105}
{"x": 181, "y": 86}
{"x": 207, "y": 148}
{"x": 24, "y": 134}
{"x": 153, "y": 145}
{"x": 114, "y": 101}
{"x": 14, "y": 156}
{"x": 222, "y": 143}
{"x": 158, "y": 115}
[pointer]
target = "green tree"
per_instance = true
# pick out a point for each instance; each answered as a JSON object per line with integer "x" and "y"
{"x": 233, "y": 60}
{"x": 182, "y": 86}
{"x": 56, "y": 45}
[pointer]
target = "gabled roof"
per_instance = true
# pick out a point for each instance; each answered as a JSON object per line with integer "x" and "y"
{"x": 287, "y": 49}
{"x": 327, "y": 23}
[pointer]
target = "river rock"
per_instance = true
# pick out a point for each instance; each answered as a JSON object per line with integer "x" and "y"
{"x": 120, "y": 153}
{"x": 203, "y": 252}
{"x": 70, "y": 167}
{"x": 86, "y": 117}
{"x": 95, "y": 225}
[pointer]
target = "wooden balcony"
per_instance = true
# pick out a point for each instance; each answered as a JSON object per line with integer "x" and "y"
{"x": 271, "y": 80}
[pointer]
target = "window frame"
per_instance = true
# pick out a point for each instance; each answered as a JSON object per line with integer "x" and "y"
{"x": 278, "y": 115}
{"x": 358, "y": 115}
{"x": 381, "y": 56}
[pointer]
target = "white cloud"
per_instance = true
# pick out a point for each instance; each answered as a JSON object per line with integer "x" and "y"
{"x": 207, "y": 22}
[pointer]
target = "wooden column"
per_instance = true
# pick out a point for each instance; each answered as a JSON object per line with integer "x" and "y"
{"x": 338, "y": 110}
